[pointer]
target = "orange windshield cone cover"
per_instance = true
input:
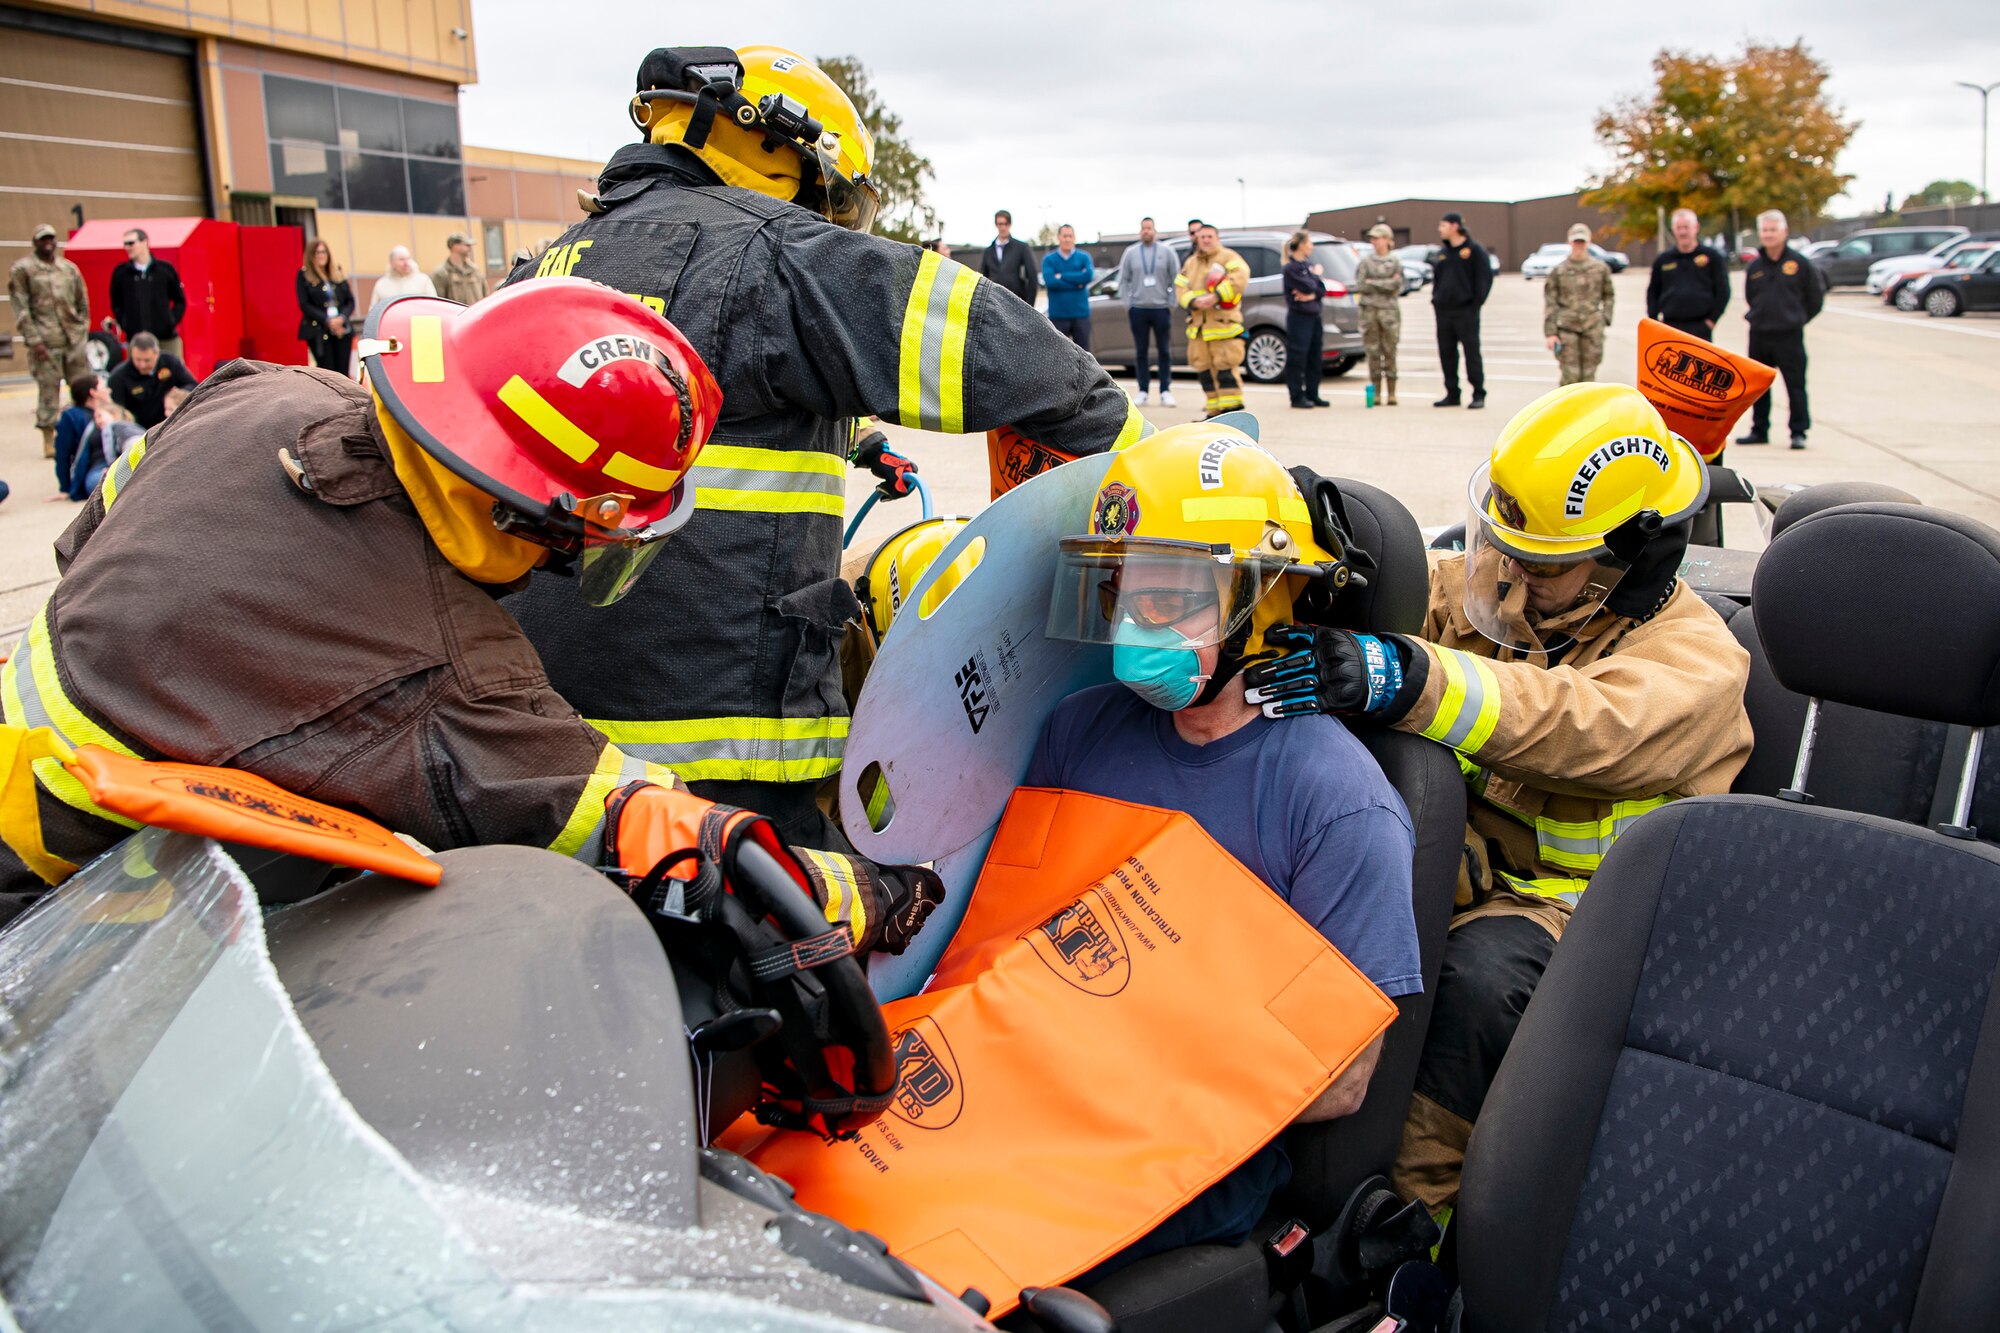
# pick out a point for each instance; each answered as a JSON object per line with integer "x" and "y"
{"x": 1125, "y": 1015}
{"x": 1700, "y": 389}
{"x": 234, "y": 806}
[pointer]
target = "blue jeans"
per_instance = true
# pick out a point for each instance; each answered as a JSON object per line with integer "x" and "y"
{"x": 1076, "y": 330}
{"x": 1158, "y": 323}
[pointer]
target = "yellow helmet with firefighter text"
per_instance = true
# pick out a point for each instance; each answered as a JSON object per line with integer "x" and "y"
{"x": 900, "y": 562}
{"x": 764, "y": 119}
{"x": 1576, "y": 464}
{"x": 1195, "y": 517}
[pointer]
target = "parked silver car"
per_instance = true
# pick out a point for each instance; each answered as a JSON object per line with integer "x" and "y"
{"x": 1263, "y": 308}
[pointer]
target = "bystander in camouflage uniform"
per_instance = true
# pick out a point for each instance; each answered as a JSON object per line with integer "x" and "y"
{"x": 52, "y": 316}
{"x": 1378, "y": 289}
{"x": 1576, "y": 309}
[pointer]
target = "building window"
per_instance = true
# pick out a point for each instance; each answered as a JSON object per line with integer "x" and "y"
{"x": 496, "y": 246}
{"x": 366, "y": 151}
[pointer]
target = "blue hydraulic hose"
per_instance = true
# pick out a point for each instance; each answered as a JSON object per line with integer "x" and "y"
{"x": 854, "y": 525}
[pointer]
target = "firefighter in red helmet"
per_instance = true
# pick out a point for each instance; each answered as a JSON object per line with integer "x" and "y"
{"x": 296, "y": 575}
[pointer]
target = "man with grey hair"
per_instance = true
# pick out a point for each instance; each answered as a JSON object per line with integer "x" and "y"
{"x": 1690, "y": 284}
{"x": 1784, "y": 291}
{"x": 404, "y": 278}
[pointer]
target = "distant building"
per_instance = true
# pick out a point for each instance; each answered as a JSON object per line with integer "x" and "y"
{"x": 336, "y": 116}
{"x": 1510, "y": 231}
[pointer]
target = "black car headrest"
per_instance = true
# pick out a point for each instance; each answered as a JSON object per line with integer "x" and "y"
{"x": 1828, "y": 494}
{"x": 1375, "y": 522}
{"x": 1894, "y": 607}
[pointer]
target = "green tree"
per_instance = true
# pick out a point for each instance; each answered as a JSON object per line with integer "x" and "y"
{"x": 1939, "y": 193}
{"x": 900, "y": 170}
{"x": 1725, "y": 137}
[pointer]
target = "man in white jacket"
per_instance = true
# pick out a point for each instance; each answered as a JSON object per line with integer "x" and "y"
{"x": 404, "y": 278}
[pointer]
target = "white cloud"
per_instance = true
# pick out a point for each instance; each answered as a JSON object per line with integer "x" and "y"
{"x": 1096, "y": 115}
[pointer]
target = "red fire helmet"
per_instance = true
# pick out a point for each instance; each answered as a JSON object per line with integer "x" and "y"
{"x": 575, "y": 407}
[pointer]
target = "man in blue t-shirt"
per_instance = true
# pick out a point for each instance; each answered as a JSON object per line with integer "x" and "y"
{"x": 1305, "y": 808}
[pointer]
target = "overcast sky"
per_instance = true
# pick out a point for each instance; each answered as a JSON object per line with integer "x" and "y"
{"x": 1084, "y": 113}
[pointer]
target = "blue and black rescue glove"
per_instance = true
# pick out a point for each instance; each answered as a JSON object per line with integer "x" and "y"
{"x": 895, "y": 471}
{"x": 1335, "y": 671}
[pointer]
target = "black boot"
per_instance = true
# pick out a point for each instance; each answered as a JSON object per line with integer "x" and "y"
{"x": 1449, "y": 400}
{"x": 1478, "y": 400}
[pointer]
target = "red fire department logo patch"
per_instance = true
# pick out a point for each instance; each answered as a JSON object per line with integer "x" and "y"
{"x": 1117, "y": 513}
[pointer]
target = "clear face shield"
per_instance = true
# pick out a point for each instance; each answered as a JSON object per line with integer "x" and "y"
{"x": 1138, "y": 590}
{"x": 607, "y": 561}
{"x": 848, "y": 201}
{"x": 1528, "y": 592}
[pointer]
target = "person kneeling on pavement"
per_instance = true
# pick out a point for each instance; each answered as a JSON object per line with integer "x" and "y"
{"x": 310, "y": 565}
{"x": 1581, "y": 683}
{"x": 1299, "y": 803}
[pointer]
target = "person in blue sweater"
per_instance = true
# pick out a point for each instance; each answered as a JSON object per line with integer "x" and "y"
{"x": 1067, "y": 272}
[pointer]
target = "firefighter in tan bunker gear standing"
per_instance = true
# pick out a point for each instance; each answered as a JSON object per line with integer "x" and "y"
{"x": 743, "y": 216}
{"x": 1581, "y": 684}
{"x": 1210, "y": 288}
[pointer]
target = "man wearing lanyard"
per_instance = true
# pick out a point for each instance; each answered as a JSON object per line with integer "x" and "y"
{"x": 1149, "y": 305}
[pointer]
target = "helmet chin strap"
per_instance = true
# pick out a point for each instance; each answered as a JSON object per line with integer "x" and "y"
{"x": 1228, "y": 663}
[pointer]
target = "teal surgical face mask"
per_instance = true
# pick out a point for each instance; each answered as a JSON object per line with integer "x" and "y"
{"x": 1157, "y": 665}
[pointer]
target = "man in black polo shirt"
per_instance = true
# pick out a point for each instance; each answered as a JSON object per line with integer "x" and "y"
{"x": 1784, "y": 291}
{"x": 141, "y": 382}
{"x": 1690, "y": 285}
{"x": 1463, "y": 278}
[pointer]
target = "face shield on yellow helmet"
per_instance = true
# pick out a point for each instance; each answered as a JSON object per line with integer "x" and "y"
{"x": 1579, "y": 482}
{"x": 764, "y": 119}
{"x": 1193, "y": 534}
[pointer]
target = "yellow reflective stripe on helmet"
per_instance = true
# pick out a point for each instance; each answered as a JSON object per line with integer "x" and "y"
{"x": 1470, "y": 705}
{"x": 1568, "y": 890}
{"x": 741, "y": 479}
{"x": 1583, "y": 844}
{"x": 1224, "y": 508}
{"x": 623, "y": 467}
{"x": 582, "y": 835}
{"x": 427, "y": 349}
{"x": 741, "y": 749}
{"x": 121, "y": 471}
{"x": 930, "y": 376}
{"x": 547, "y": 420}
{"x": 31, "y": 695}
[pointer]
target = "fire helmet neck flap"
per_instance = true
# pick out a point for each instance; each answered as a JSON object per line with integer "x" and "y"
{"x": 1579, "y": 485}
{"x": 577, "y": 410}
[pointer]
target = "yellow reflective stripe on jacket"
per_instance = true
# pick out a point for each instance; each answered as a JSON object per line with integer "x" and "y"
{"x": 1582, "y": 845}
{"x": 736, "y": 749}
{"x": 1470, "y": 705}
{"x": 582, "y": 835}
{"x": 1135, "y": 429}
{"x": 744, "y": 479}
{"x": 121, "y": 472}
{"x": 931, "y": 372}
{"x": 32, "y": 696}
{"x": 845, "y": 904}
{"x": 1553, "y": 886}
{"x": 1225, "y": 293}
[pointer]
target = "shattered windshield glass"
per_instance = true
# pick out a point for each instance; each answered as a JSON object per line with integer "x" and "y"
{"x": 175, "y": 1155}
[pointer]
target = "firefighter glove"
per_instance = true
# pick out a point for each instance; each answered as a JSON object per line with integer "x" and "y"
{"x": 881, "y": 907}
{"x": 895, "y": 472}
{"x": 1321, "y": 670}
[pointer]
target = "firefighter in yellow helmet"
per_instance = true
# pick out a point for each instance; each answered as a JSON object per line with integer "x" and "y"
{"x": 1200, "y": 546}
{"x": 743, "y": 216}
{"x": 1580, "y": 682}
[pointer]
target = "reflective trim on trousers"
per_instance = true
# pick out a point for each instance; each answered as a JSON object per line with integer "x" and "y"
{"x": 582, "y": 835}
{"x": 930, "y": 376}
{"x": 1470, "y": 705}
{"x": 32, "y": 695}
{"x": 736, "y": 749}
{"x": 1583, "y": 844}
{"x": 742, "y": 478}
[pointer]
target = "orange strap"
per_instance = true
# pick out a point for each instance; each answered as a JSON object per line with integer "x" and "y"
{"x": 1012, "y": 458}
{"x": 1125, "y": 1016}
{"x": 1700, "y": 389}
{"x": 235, "y": 806}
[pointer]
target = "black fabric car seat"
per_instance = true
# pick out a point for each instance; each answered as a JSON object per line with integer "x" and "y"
{"x": 1226, "y": 1287}
{"x": 1759, "y": 1086}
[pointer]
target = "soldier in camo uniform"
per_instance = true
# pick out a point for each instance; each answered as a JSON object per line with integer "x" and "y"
{"x": 1378, "y": 289}
{"x": 1576, "y": 309}
{"x": 52, "y": 316}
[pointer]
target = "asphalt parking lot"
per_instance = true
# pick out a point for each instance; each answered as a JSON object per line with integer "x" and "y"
{"x": 1897, "y": 398}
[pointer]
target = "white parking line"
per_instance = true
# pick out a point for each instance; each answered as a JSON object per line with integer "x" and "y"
{"x": 1941, "y": 325}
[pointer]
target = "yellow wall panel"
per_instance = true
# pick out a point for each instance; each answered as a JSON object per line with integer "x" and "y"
{"x": 393, "y": 24}
{"x": 324, "y": 20}
{"x": 407, "y": 36}
{"x": 362, "y": 30}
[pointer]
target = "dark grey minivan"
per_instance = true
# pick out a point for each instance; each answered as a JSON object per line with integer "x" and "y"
{"x": 1847, "y": 264}
{"x": 1263, "y": 307}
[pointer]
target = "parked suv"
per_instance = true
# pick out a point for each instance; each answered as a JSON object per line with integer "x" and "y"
{"x": 1847, "y": 263}
{"x": 1263, "y": 307}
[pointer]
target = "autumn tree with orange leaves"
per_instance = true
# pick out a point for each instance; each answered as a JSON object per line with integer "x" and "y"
{"x": 1727, "y": 138}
